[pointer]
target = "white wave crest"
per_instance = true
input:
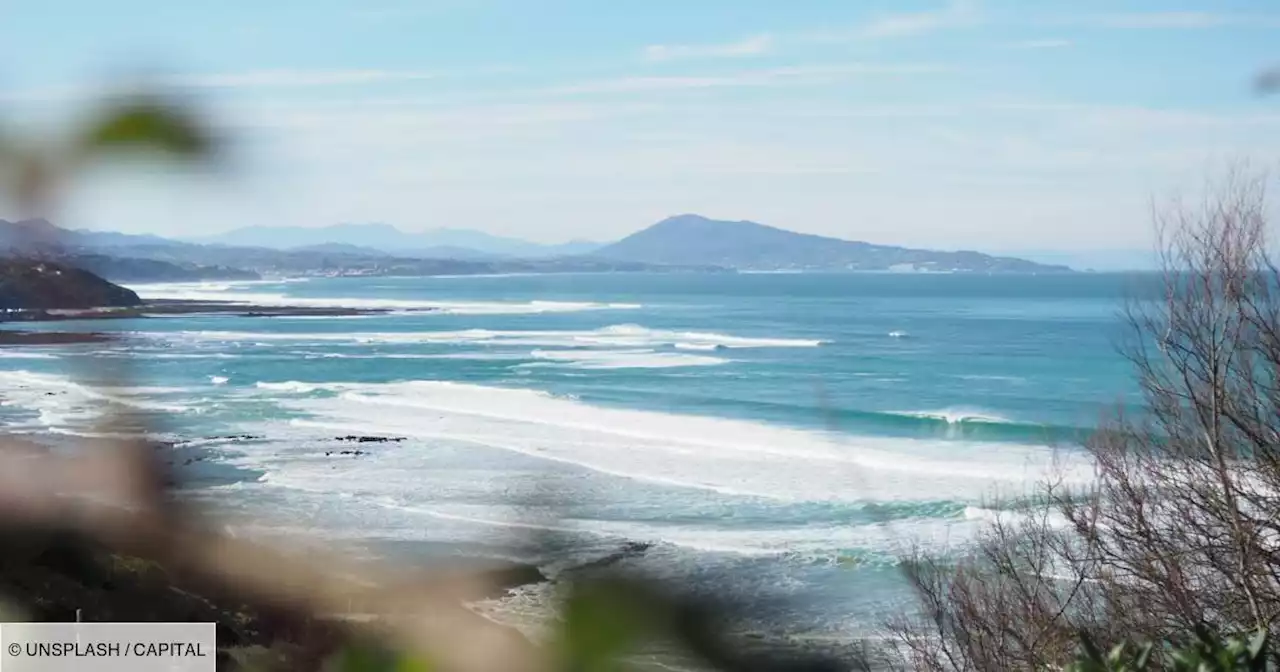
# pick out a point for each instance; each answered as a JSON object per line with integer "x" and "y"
{"x": 623, "y": 359}
{"x": 1052, "y": 517}
{"x": 224, "y": 293}
{"x": 729, "y": 457}
{"x": 617, "y": 336}
{"x": 288, "y": 386}
{"x": 61, "y": 403}
{"x": 698, "y": 346}
{"x": 12, "y": 354}
{"x": 955, "y": 416}
{"x": 810, "y": 541}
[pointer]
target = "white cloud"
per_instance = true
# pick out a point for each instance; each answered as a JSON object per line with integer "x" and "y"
{"x": 751, "y": 46}
{"x": 288, "y": 78}
{"x": 51, "y": 94}
{"x": 1186, "y": 20}
{"x": 1050, "y": 43}
{"x": 998, "y": 174}
{"x": 813, "y": 74}
{"x": 249, "y": 79}
{"x": 957, "y": 13}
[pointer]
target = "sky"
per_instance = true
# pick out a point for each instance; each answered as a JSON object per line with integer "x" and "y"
{"x": 999, "y": 125}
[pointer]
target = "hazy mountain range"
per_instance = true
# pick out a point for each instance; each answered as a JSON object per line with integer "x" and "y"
{"x": 437, "y": 243}
{"x": 683, "y": 242}
{"x": 751, "y": 246}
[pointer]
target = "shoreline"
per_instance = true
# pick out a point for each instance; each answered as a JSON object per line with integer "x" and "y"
{"x": 150, "y": 309}
{"x": 104, "y": 585}
{"x": 191, "y": 459}
{"x": 187, "y": 307}
{"x": 19, "y": 337}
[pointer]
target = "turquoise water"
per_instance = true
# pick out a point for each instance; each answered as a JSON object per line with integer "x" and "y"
{"x": 769, "y": 434}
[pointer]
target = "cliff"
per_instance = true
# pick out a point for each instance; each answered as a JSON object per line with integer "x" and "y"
{"x": 29, "y": 284}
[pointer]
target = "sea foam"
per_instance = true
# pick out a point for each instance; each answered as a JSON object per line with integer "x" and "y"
{"x": 955, "y": 416}
{"x": 616, "y": 336}
{"x": 64, "y": 404}
{"x": 622, "y": 359}
{"x": 726, "y": 457}
{"x": 226, "y": 293}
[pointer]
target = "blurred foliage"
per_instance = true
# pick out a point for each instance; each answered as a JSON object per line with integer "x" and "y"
{"x": 148, "y": 124}
{"x": 606, "y": 620}
{"x": 1268, "y": 81}
{"x": 369, "y": 658}
{"x": 34, "y": 174}
{"x": 600, "y": 625}
{"x": 608, "y": 623}
{"x": 1206, "y": 652}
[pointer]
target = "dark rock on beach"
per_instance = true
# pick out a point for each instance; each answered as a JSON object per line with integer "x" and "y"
{"x": 184, "y": 307}
{"x": 369, "y": 439}
{"x": 629, "y": 550}
{"x": 50, "y": 337}
{"x": 144, "y": 309}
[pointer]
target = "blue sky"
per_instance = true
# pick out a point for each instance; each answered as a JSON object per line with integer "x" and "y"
{"x": 988, "y": 124}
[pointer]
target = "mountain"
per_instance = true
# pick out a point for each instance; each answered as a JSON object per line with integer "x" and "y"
{"x": 33, "y": 284}
{"x": 339, "y": 248}
{"x": 685, "y": 242}
{"x": 128, "y": 258}
{"x": 129, "y": 269}
{"x": 115, "y": 256}
{"x": 457, "y": 243}
{"x": 693, "y": 239}
{"x": 41, "y": 233}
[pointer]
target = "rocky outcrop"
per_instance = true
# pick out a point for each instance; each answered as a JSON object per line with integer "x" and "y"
{"x": 29, "y": 284}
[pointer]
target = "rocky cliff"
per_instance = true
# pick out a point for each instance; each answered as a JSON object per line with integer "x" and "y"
{"x": 29, "y": 284}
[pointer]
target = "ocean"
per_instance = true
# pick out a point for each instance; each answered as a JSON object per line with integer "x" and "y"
{"x": 780, "y": 439}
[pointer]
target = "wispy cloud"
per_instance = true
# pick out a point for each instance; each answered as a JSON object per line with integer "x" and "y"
{"x": 248, "y": 79}
{"x": 751, "y": 46}
{"x": 287, "y": 78}
{"x": 375, "y": 12}
{"x": 1050, "y": 43}
{"x": 51, "y": 94}
{"x": 812, "y": 74}
{"x": 955, "y": 14}
{"x": 1184, "y": 20}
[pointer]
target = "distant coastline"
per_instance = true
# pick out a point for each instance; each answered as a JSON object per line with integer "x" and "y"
{"x": 679, "y": 244}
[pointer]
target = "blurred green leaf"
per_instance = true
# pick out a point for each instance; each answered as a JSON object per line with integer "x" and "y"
{"x": 1206, "y": 652}
{"x": 147, "y": 124}
{"x": 406, "y": 664}
{"x": 602, "y": 622}
{"x": 373, "y": 659}
{"x": 362, "y": 659}
{"x": 1258, "y": 645}
{"x": 1144, "y": 656}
